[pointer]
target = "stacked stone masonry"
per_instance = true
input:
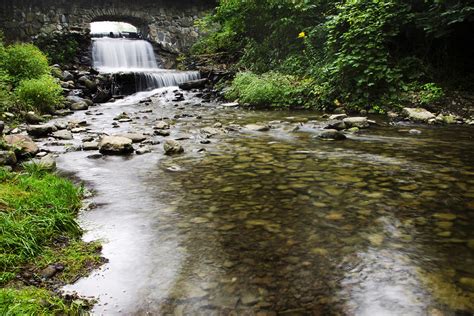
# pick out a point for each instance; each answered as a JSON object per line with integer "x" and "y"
{"x": 167, "y": 23}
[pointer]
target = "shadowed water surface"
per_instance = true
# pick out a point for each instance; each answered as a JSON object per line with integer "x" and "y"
{"x": 279, "y": 221}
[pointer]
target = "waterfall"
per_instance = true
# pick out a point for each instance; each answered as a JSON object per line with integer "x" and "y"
{"x": 120, "y": 55}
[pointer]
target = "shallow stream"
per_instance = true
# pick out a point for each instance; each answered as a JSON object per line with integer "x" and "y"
{"x": 277, "y": 221}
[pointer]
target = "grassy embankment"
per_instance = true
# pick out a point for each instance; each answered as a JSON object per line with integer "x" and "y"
{"x": 38, "y": 229}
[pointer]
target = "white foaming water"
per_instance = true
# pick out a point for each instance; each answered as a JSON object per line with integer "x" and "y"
{"x": 122, "y": 54}
{"x": 119, "y": 55}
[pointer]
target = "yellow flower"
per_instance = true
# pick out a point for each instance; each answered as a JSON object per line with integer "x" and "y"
{"x": 302, "y": 35}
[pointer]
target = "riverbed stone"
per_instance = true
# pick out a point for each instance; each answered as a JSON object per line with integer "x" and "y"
{"x": 358, "y": 121}
{"x": 257, "y": 127}
{"x": 7, "y": 158}
{"x": 63, "y": 134}
{"x": 41, "y": 130}
{"x": 33, "y": 118}
{"x": 331, "y": 134}
{"x": 172, "y": 147}
{"x": 115, "y": 145}
{"x": 79, "y": 106}
{"x": 135, "y": 137}
{"x": 25, "y": 145}
{"x": 162, "y": 125}
{"x": 90, "y": 145}
{"x": 418, "y": 114}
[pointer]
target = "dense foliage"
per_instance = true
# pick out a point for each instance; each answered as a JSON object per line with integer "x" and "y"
{"x": 25, "y": 80}
{"x": 358, "y": 53}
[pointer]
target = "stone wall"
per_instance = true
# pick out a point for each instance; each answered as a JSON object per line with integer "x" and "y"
{"x": 167, "y": 23}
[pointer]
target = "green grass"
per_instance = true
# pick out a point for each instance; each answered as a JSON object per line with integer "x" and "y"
{"x": 35, "y": 301}
{"x": 37, "y": 228}
{"x": 35, "y": 206}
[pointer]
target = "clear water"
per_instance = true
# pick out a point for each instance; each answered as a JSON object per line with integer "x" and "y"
{"x": 278, "y": 221}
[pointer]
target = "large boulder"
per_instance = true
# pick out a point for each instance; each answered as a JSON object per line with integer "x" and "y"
{"x": 172, "y": 147}
{"x": 418, "y": 114}
{"x": 115, "y": 145}
{"x": 25, "y": 145}
{"x": 41, "y": 130}
{"x": 360, "y": 122}
{"x": 193, "y": 84}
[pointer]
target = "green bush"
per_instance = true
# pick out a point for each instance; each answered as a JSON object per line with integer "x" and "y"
{"x": 272, "y": 89}
{"x": 24, "y": 61}
{"x": 43, "y": 94}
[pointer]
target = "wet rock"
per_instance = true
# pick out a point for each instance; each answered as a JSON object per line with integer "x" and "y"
{"x": 360, "y": 122}
{"x": 337, "y": 116}
{"x": 353, "y": 130}
{"x": 209, "y": 131}
{"x": 162, "y": 132}
{"x": 90, "y": 146}
{"x": 115, "y": 145}
{"x": 162, "y": 125}
{"x": 135, "y": 137}
{"x": 63, "y": 134}
{"x": 230, "y": 105}
{"x": 25, "y": 144}
{"x": 41, "y": 130}
{"x": 67, "y": 76}
{"x": 193, "y": 84}
{"x": 7, "y": 158}
{"x": 249, "y": 298}
{"x": 79, "y": 106}
{"x": 414, "y": 132}
{"x": 143, "y": 150}
{"x": 33, "y": 118}
{"x": 257, "y": 127}
{"x": 101, "y": 96}
{"x": 331, "y": 134}
{"x": 338, "y": 125}
{"x": 48, "y": 162}
{"x": 49, "y": 272}
{"x": 172, "y": 147}
{"x": 418, "y": 114}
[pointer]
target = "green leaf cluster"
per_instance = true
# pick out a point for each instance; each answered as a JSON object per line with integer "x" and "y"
{"x": 359, "y": 53}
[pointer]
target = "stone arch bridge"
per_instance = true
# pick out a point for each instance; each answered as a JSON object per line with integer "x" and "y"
{"x": 168, "y": 23}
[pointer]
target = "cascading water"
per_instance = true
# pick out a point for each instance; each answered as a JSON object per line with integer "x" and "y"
{"x": 121, "y": 55}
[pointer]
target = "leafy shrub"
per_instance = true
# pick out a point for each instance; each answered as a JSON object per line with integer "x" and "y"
{"x": 430, "y": 93}
{"x": 271, "y": 89}
{"x": 42, "y": 94}
{"x": 25, "y": 61}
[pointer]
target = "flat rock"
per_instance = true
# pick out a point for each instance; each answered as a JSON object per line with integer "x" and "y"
{"x": 63, "y": 134}
{"x": 358, "y": 121}
{"x": 90, "y": 146}
{"x": 79, "y": 106}
{"x": 135, "y": 137}
{"x": 162, "y": 125}
{"x": 337, "y": 116}
{"x": 41, "y": 130}
{"x": 230, "y": 105}
{"x": 332, "y": 134}
{"x": 172, "y": 147}
{"x": 418, "y": 114}
{"x": 257, "y": 127}
{"x": 33, "y": 118}
{"x": 115, "y": 145}
{"x": 25, "y": 144}
{"x": 337, "y": 125}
